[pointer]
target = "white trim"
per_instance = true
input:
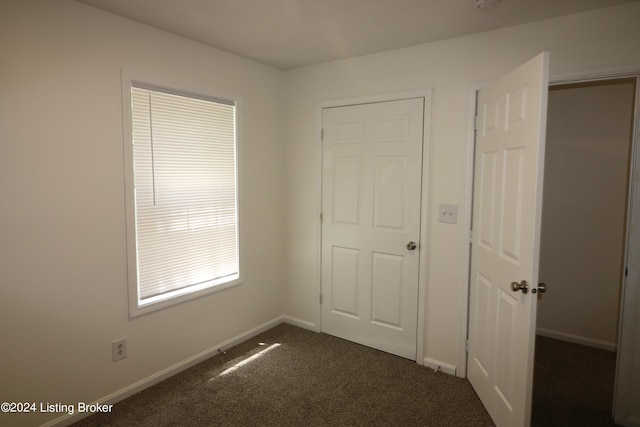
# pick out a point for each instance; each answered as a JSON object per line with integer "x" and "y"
{"x": 425, "y": 226}
{"x": 440, "y": 366}
{"x": 597, "y": 74}
{"x": 369, "y": 99}
{"x": 465, "y": 265}
{"x": 630, "y": 292}
{"x": 170, "y": 84}
{"x": 300, "y": 323}
{"x": 576, "y": 339}
{"x": 423, "y": 278}
{"x": 153, "y": 379}
{"x": 319, "y": 167}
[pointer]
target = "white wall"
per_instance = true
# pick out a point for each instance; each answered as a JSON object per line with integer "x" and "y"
{"x": 578, "y": 43}
{"x": 63, "y": 290}
{"x": 584, "y": 212}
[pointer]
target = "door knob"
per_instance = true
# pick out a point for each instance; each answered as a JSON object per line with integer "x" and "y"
{"x": 522, "y": 286}
{"x": 412, "y": 245}
{"x": 542, "y": 288}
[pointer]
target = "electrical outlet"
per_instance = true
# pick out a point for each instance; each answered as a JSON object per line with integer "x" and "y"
{"x": 119, "y": 349}
{"x": 448, "y": 213}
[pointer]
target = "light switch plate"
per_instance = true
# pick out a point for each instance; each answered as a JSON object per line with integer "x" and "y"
{"x": 448, "y": 213}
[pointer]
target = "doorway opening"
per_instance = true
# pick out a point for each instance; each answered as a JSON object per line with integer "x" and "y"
{"x": 582, "y": 258}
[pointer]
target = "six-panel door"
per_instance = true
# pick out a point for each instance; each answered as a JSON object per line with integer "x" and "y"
{"x": 371, "y": 198}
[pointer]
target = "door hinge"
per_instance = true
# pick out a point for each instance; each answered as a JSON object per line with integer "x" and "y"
{"x": 475, "y": 123}
{"x": 470, "y": 236}
{"x": 466, "y": 345}
{"x": 321, "y": 217}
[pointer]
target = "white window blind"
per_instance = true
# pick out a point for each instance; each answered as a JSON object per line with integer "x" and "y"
{"x": 185, "y": 190}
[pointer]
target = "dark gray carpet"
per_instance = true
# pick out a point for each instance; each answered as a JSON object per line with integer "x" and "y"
{"x": 573, "y": 385}
{"x": 310, "y": 379}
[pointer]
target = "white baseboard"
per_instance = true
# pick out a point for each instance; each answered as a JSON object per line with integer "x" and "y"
{"x": 439, "y": 366}
{"x": 576, "y": 339}
{"x": 168, "y": 372}
{"x": 300, "y": 323}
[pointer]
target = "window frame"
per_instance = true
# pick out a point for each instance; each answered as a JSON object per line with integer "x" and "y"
{"x": 131, "y": 79}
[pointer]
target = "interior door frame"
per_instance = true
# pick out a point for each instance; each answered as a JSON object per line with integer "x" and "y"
{"x": 423, "y": 277}
{"x": 629, "y": 298}
{"x": 633, "y": 194}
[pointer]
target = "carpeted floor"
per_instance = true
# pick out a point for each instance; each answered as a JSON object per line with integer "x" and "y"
{"x": 288, "y": 376}
{"x": 301, "y": 378}
{"x": 573, "y": 385}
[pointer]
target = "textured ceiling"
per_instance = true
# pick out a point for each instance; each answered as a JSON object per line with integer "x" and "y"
{"x": 289, "y": 34}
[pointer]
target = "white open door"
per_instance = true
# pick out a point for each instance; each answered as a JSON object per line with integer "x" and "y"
{"x": 507, "y": 207}
{"x": 371, "y": 198}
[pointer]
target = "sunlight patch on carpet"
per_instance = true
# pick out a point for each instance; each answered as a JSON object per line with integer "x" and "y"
{"x": 248, "y": 360}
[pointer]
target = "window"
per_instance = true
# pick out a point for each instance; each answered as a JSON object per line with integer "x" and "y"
{"x": 182, "y": 216}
